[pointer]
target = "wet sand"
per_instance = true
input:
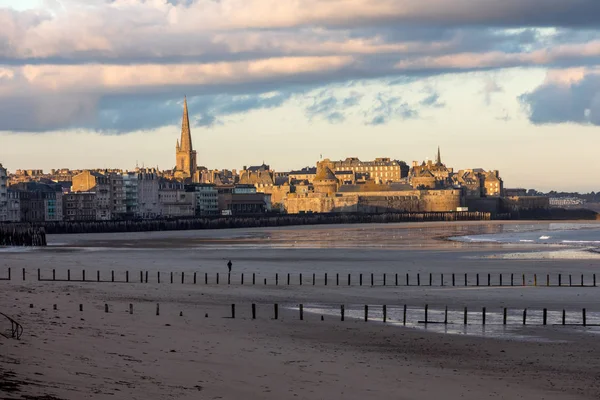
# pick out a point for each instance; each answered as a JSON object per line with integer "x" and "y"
{"x": 70, "y": 354}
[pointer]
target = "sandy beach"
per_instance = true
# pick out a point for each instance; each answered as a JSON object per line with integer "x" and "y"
{"x": 195, "y": 350}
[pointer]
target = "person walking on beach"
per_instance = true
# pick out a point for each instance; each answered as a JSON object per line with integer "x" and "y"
{"x": 229, "y": 264}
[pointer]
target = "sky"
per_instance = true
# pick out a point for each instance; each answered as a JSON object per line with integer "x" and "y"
{"x": 510, "y": 85}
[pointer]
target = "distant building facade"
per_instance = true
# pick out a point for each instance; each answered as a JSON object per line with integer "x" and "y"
{"x": 3, "y": 194}
{"x": 383, "y": 170}
{"x": 174, "y": 201}
{"x": 80, "y": 206}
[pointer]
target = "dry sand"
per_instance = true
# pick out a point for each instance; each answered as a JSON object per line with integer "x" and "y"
{"x": 68, "y": 354}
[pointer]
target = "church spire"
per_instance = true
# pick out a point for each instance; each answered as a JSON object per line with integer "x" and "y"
{"x": 439, "y": 157}
{"x": 186, "y": 135}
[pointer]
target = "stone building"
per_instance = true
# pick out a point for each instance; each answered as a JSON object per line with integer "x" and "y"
{"x": 3, "y": 194}
{"x": 382, "y": 170}
{"x": 80, "y": 206}
{"x": 431, "y": 175}
{"x": 305, "y": 174}
{"x": 13, "y": 206}
{"x": 185, "y": 155}
{"x": 38, "y": 202}
{"x": 325, "y": 181}
{"x": 264, "y": 180}
{"x": 100, "y": 184}
{"x": 174, "y": 201}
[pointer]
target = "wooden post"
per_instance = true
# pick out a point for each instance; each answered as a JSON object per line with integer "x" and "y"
{"x": 446, "y": 316}
{"x": 337, "y": 279}
{"x": 500, "y": 279}
{"x": 253, "y": 311}
{"x": 483, "y": 316}
{"x": 511, "y": 279}
{"x": 242, "y": 279}
{"x": 442, "y": 279}
{"x": 524, "y": 316}
{"x": 325, "y": 278}
{"x": 360, "y": 279}
{"x": 53, "y": 274}
{"x": 127, "y": 276}
{"x": 171, "y": 276}
{"x": 430, "y": 279}
{"x": 570, "y": 281}
{"x": 396, "y": 279}
{"x": 523, "y": 279}
{"x": 217, "y": 278}
{"x": 489, "y": 280}
{"x": 465, "y": 317}
{"x": 130, "y": 308}
{"x": 534, "y": 279}
{"x": 314, "y": 279}
{"x": 141, "y": 276}
{"x": 407, "y": 280}
{"x": 594, "y": 280}
{"x": 276, "y": 279}
{"x": 418, "y": 279}
{"x": 68, "y": 274}
{"x": 39, "y": 274}
{"x": 545, "y": 316}
{"x": 106, "y": 308}
{"x": 371, "y": 279}
{"x": 253, "y": 278}
{"x": 366, "y": 313}
{"x": 300, "y": 279}
{"x": 23, "y": 273}
{"x": 349, "y": 279}
{"x": 564, "y": 316}
{"x": 81, "y": 307}
{"x": 9, "y": 270}
{"x": 504, "y": 314}
{"x": 182, "y": 277}
{"x": 265, "y": 281}
{"x": 584, "y": 317}
{"x": 384, "y": 283}
{"x": 301, "y": 312}
{"x": 453, "y": 280}
{"x": 581, "y": 280}
{"x": 158, "y": 277}
{"x": 206, "y": 278}
{"x": 55, "y": 307}
{"x": 147, "y": 276}
{"x": 83, "y": 275}
{"x": 157, "y": 309}
{"x": 276, "y": 310}
{"x": 195, "y": 278}
{"x": 288, "y": 279}
{"x": 547, "y": 279}
{"x": 404, "y": 316}
{"x": 559, "y": 279}
{"x": 98, "y": 276}
{"x": 466, "y": 281}
{"x": 233, "y": 311}
{"x": 342, "y": 311}
{"x": 477, "y": 279}
{"x": 426, "y": 312}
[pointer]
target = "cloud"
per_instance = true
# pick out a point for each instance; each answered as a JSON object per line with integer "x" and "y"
{"x": 490, "y": 87}
{"x": 332, "y": 108}
{"x": 566, "y": 96}
{"x": 388, "y": 107}
{"x": 120, "y": 65}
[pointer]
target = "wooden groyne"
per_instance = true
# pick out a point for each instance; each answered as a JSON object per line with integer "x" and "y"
{"x": 256, "y": 222}
{"x": 22, "y": 235}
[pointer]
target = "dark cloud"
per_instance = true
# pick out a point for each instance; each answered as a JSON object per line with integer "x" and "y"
{"x": 560, "y": 102}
